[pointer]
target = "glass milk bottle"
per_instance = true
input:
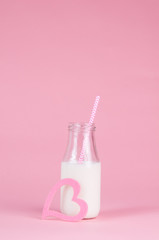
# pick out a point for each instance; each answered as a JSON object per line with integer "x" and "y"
{"x": 87, "y": 172}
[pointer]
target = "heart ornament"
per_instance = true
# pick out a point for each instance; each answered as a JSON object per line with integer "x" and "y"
{"x": 47, "y": 212}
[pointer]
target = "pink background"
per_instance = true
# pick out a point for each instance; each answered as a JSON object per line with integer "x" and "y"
{"x": 55, "y": 57}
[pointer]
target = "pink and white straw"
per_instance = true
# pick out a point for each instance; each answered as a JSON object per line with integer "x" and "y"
{"x": 89, "y": 124}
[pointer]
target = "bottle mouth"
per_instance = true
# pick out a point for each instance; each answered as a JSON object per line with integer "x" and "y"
{"x": 81, "y": 126}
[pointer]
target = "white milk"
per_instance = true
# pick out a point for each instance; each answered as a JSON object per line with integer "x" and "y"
{"x": 88, "y": 175}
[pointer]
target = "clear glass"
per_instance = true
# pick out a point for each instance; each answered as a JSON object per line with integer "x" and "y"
{"x": 87, "y": 172}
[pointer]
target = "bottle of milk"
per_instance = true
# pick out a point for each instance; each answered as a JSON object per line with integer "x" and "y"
{"x": 87, "y": 172}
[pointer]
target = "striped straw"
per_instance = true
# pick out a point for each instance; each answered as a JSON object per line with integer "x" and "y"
{"x": 89, "y": 124}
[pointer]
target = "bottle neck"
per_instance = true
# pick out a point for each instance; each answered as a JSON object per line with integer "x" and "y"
{"x": 81, "y": 136}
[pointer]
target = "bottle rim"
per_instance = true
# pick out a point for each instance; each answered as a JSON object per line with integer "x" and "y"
{"x": 81, "y": 126}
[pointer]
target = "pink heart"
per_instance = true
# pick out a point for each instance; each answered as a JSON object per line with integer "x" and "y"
{"x": 76, "y": 187}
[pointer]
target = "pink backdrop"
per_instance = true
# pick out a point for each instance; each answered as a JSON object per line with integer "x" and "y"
{"x": 55, "y": 57}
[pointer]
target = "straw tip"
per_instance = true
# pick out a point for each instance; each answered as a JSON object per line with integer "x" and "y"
{"x": 97, "y": 98}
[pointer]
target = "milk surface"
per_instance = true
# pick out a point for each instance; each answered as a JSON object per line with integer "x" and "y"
{"x": 88, "y": 174}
